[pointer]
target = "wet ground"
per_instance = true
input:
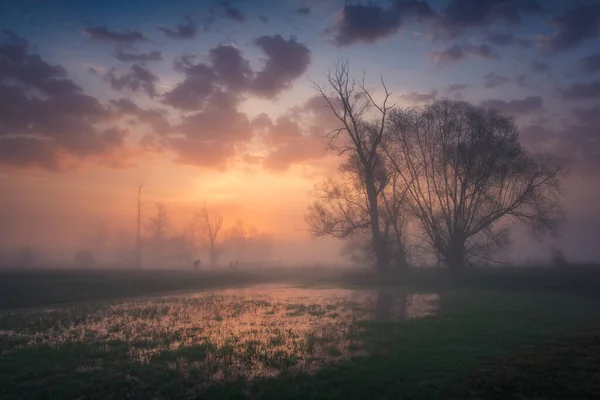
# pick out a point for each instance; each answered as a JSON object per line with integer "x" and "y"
{"x": 246, "y": 333}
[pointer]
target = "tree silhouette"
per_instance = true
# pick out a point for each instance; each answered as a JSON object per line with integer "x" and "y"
{"x": 467, "y": 176}
{"x": 354, "y": 202}
{"x": 208, "y": 230}
{"x": 157, "y": 229}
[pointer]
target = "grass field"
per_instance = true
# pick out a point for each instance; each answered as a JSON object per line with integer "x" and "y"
{"x": 502, "y": 334}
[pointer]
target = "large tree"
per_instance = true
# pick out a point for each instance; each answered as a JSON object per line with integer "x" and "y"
{"x": 354, "y": 202}
{"x": 342, "y": 211}
{"x": 467, "y": 177}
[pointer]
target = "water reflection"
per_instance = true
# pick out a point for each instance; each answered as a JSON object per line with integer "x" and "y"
{"x": 225, "y": 334}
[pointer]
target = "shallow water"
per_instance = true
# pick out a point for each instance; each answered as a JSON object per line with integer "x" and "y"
{"x": 227, "y": 334}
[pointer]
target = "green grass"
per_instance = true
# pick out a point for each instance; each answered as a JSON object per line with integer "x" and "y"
{"x": 499, "y": 335}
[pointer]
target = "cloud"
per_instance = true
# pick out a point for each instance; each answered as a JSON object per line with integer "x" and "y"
{"x": 294, "y": 138}
{"x": 103, "y": 34}
{"x": 576, "y": 141}
{"x": 514, "y": 107}
{"x": 228, "y": 70}
{"x": 581, "y": 91}
{"x": 154, "y": 118}
{"x": 187, "y": 30}
{"x": 286, "y": 61}
{"x": 28, "y": 152}
{"x": 192, "y": 92}
{"x": 457, "y": 87}
{"x": 287, "y": 141}
{"x": 137, "y": 79}
{"x": 45, "y": 116}
{"x": 232, "y": 12}
{"x": 459, "y": 52}
{"x": 416, "y": 97}
{"x": 460, "y": 15}
{"x": 507, "y": 39}
{"x": 263, "y": 19}
{"x": 303, "y": 11}
{"x": 521, "y": 80}
{"x": 540, "y": 66}
{"x": 579, "y": 23}
{"x": 493, "y": 80}
{"x": 368, "y": 23}
{"x": 141, "y": 58}
{"x": 591, "y": 63}
{"x": 207, "y": 140}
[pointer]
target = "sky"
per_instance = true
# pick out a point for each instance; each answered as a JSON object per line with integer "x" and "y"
{"x": 212, "y": 102}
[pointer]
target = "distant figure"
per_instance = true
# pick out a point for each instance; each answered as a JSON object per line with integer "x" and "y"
{"x": 196, "y": 264}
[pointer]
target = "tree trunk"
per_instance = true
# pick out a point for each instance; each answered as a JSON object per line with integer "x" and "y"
{"x": 213, "y": 256}
{"x": 400, "y": 257}
{"x": 379, "y": 245}
{"x": 456, "y": 259}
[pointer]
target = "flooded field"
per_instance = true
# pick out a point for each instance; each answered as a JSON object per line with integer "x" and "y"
{"x": 221, "y": 335}
{"x": 276, "y": 341}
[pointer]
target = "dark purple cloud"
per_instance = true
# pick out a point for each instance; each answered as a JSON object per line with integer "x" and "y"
{"x": 460, "y": 15}
{"x": 456, "y": 87}
{"x": 417, "y": 97}
{"x": 230, "y": 68}
{"x": 303, "y": 11}
{"x": 507, "y": 39}
{"x": 192, "y": 92}
{"x": 514, "y": 107}
{"x": 459, "y": 52}
{"x": 581, "y": 91}
{"x": 123, "y": 55}
{"x": 187, "y": 30}
{"x": 103, "y": 34}
{"x": 232, "y": 12}
{"x": 369, "y": 23}
{"x": 591, "y": 63}
{"x": 137, "y": 79}
{"x": 44, "y": 115}
{"x": 286, "y": 61}
{"x": 581, "y": 22}
{"x": 493, "y": 80}
{"x": 540, "y": 66}
{"x": 522, "y": 80}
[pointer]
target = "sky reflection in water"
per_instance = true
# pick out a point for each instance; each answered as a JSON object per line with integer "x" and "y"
{"x": 227, "y": 334}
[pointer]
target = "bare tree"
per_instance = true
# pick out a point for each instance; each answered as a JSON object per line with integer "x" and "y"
{"x": 467, "y": 176}
{"x": 342, "y": 211}
{"x": 157, "y": 229}
{"x": 354, "y": 202}
{"x": 208, "y": 230}
{"x": 159, "y": 223}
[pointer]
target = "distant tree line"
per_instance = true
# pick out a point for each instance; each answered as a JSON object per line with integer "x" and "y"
{"x": 449, "y": 178}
